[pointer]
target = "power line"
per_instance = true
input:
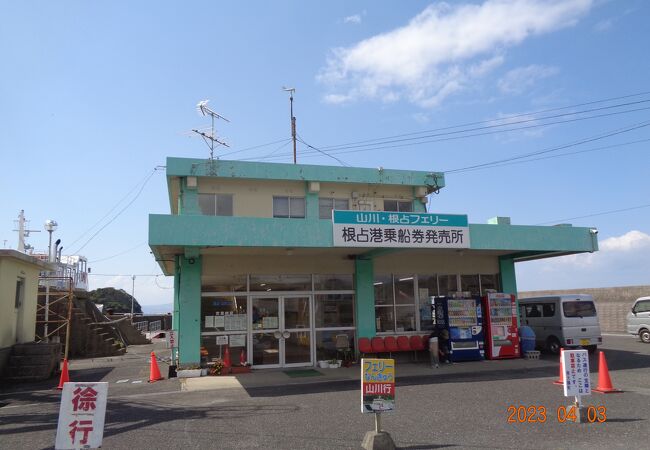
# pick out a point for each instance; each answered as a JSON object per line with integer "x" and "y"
{"x": 117, "y": 254}
{"x": 256, "y": 146}
{"x": 553, "y": 149}
{"x": 605, "y": 147}
{"x": 112, "y": 209}
{"x": 597, "y": 214}
{"x": 118, "y": 214}
{"x": 280, "y": 147}
{"x": 506, "y": 121}
{"x": 323, "y": 152}
{"x": 382, "y": 147}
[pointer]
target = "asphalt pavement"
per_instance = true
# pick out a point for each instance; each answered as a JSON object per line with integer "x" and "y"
{"x": 463, "y": 405}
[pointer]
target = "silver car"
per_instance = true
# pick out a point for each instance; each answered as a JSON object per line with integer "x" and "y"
{"x": 638, "y": 319}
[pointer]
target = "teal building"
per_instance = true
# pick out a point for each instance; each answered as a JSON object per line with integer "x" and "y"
{"x": 281, "y": 263}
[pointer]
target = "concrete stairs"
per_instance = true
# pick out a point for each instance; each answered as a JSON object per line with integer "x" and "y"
{"x": 33, "y": 362}
{"x": 89, "y": 339}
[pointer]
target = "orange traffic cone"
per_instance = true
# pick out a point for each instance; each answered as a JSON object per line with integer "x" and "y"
{"x": 560, "y": 380}
{"x": 604, "y": 381}
{"x": 154, "y": 371}
{"x": 242, "y": 358}
{"x": 65, "y": 377}
{"x": 227, "y": 363}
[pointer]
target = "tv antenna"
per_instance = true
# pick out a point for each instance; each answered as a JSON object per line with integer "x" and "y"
{"x": 23, "y": 232}
{"x": 293, "y": 119}
{"x": 210, "y": 139}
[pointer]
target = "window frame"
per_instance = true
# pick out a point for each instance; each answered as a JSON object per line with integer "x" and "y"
{"x": 290, "y": 199}
{"x": 215, "y": 204}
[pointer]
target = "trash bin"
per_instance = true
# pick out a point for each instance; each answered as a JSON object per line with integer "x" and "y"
{"x": 433, "y": 351}
{"x": 527, "y": 338}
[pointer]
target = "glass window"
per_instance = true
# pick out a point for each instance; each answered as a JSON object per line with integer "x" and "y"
{"x": 383, "y": 290}
{"x": 384, "y": 318}
{"x": 642, "y": 306}
{"x": 579, "y": 309}
{"x": 489, "y": 282}
{"x": 215, "y": 204}
{"x": 404, "y": 289}
{"x": 20, "y": 289}
{"x": 225, "y": 313}
{"x": 224, "y": 204}
{"x": 334, "y": 310}
{"x": 448, "y": 284}
{"x": 289, "y": 207}
{"x": 211, "y": 351}
{"x": 533, "y": 310}
{"x": 280, "y": 206}
{"x": 548, "y": 309}
{"x": 268, "y": 283}
{"x": 397, "y": 205}
{"x": 470, "y": 283}
{"x": 428, "y": 283}
{"x": 325, "y": 206}
{"x": 326, "y": 344}
{"x": 223, "y": 283}
{"x": 405, "y": 318}
{"x": 336, "y": 282}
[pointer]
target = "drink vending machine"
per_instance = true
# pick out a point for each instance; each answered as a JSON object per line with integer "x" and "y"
{"x": 461, "y": 316}
{"x": 501, "y": 338}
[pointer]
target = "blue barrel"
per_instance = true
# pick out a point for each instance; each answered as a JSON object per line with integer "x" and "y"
{"x": 527, "y": 338}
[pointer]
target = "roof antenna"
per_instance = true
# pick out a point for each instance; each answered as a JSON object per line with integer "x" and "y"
{"x": 210, "y": 139}
{"x": 293, "y": 119}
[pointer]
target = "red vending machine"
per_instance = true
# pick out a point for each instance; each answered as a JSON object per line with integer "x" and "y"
{"x": 500, "y": 315}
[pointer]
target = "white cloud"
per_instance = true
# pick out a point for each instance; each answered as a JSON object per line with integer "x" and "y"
{"x": 621, "y": 261}
{"x": 522, "y": 79}
{"x": 442, "y": 50}
{"x": 356, "y": 18}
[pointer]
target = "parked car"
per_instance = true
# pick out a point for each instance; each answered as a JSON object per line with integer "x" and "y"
{"x": 638, "y": 319}
{"x": 562, "y": 321}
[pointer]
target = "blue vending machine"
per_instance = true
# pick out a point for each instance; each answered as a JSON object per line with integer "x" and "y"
{"x": 462, "y": 317}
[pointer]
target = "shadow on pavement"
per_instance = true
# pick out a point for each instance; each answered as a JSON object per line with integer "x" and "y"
{"x": 76, "y": 375}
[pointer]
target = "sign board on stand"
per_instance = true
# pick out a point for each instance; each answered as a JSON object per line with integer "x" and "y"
{"x": 172, "y": 339}
{"x": 81, "y": 416}
{"x": 577, "y": 383}
{"x": 377, "y": 385}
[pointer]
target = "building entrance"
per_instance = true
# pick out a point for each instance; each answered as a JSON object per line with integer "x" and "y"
{"x": 282, "y": 331}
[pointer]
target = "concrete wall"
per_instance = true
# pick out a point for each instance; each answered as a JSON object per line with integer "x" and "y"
{"x": 255, "y": 198}
{"x": 612, "y": 304}
{"x": 17, "y": 326}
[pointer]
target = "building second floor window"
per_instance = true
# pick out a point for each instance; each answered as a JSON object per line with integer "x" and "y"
{"x": 215, "y": 204}
{"x": 326, "y": 205}
{"x": 290, "y": 207}
{"x": 398, "y": 205}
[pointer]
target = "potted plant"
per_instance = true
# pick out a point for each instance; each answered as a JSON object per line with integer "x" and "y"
{"x": 323, "y": 364}
{"x": 217, "y": 367}
{"x": 333, "y": 363}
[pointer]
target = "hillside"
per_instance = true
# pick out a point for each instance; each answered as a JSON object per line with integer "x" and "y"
{"x": 115, "y": 299}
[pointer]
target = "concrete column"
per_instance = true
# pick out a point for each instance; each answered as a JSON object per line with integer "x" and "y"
{"x": 188, "y": 199}
{"x": 364, "y": 297}
{"x": 177, "y": 284}
{"x": 508, "y": 279}
{"x": 189, "y": 317}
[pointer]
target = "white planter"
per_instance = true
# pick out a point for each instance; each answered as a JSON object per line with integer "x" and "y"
{"x": 334, "y": 366}
{"x": 323, "y": 364}
{"x": 188, "y": 373}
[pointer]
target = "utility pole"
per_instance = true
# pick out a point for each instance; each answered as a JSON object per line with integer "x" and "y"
{"x": 293, "y": 119}
{"x": 132, "y": 296}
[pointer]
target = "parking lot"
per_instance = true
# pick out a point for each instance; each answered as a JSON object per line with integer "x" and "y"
{"x": 463, "y": 405}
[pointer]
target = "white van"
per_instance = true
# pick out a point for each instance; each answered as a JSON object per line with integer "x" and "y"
{"x": 562, "y": 321}
{"x": 638, "y": 319}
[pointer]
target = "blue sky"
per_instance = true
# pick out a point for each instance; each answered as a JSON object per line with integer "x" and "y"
{"x": 95, "y": 95}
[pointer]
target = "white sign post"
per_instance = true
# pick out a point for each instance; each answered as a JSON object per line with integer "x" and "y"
{"x": 81, "y": 416}
{"x": 172, "y": 343}
{"x": 576, "y": 377}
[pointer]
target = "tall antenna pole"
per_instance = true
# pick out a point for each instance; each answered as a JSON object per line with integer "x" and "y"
{"x": 293, "y": 120}
{"x": 210, "y": 139}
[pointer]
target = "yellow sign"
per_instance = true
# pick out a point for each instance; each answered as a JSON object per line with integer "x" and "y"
{"x": 377, "y": 385}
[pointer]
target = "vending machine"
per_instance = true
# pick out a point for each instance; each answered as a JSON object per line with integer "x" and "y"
{"x": 461, "y": 316}
{"x": 500, "y": 323}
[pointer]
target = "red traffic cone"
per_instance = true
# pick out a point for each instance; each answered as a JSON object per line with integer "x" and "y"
{"x": 154, "y": 371}
{"x": 227, "y": 363}
{"x": 65, "y": 377}
{"x": 604, "y": 381}
{"x": 242, "y": 358}
{"x": 560, "y": 380}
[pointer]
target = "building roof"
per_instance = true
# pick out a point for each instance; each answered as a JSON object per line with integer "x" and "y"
{"x": 25, "y": 258}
